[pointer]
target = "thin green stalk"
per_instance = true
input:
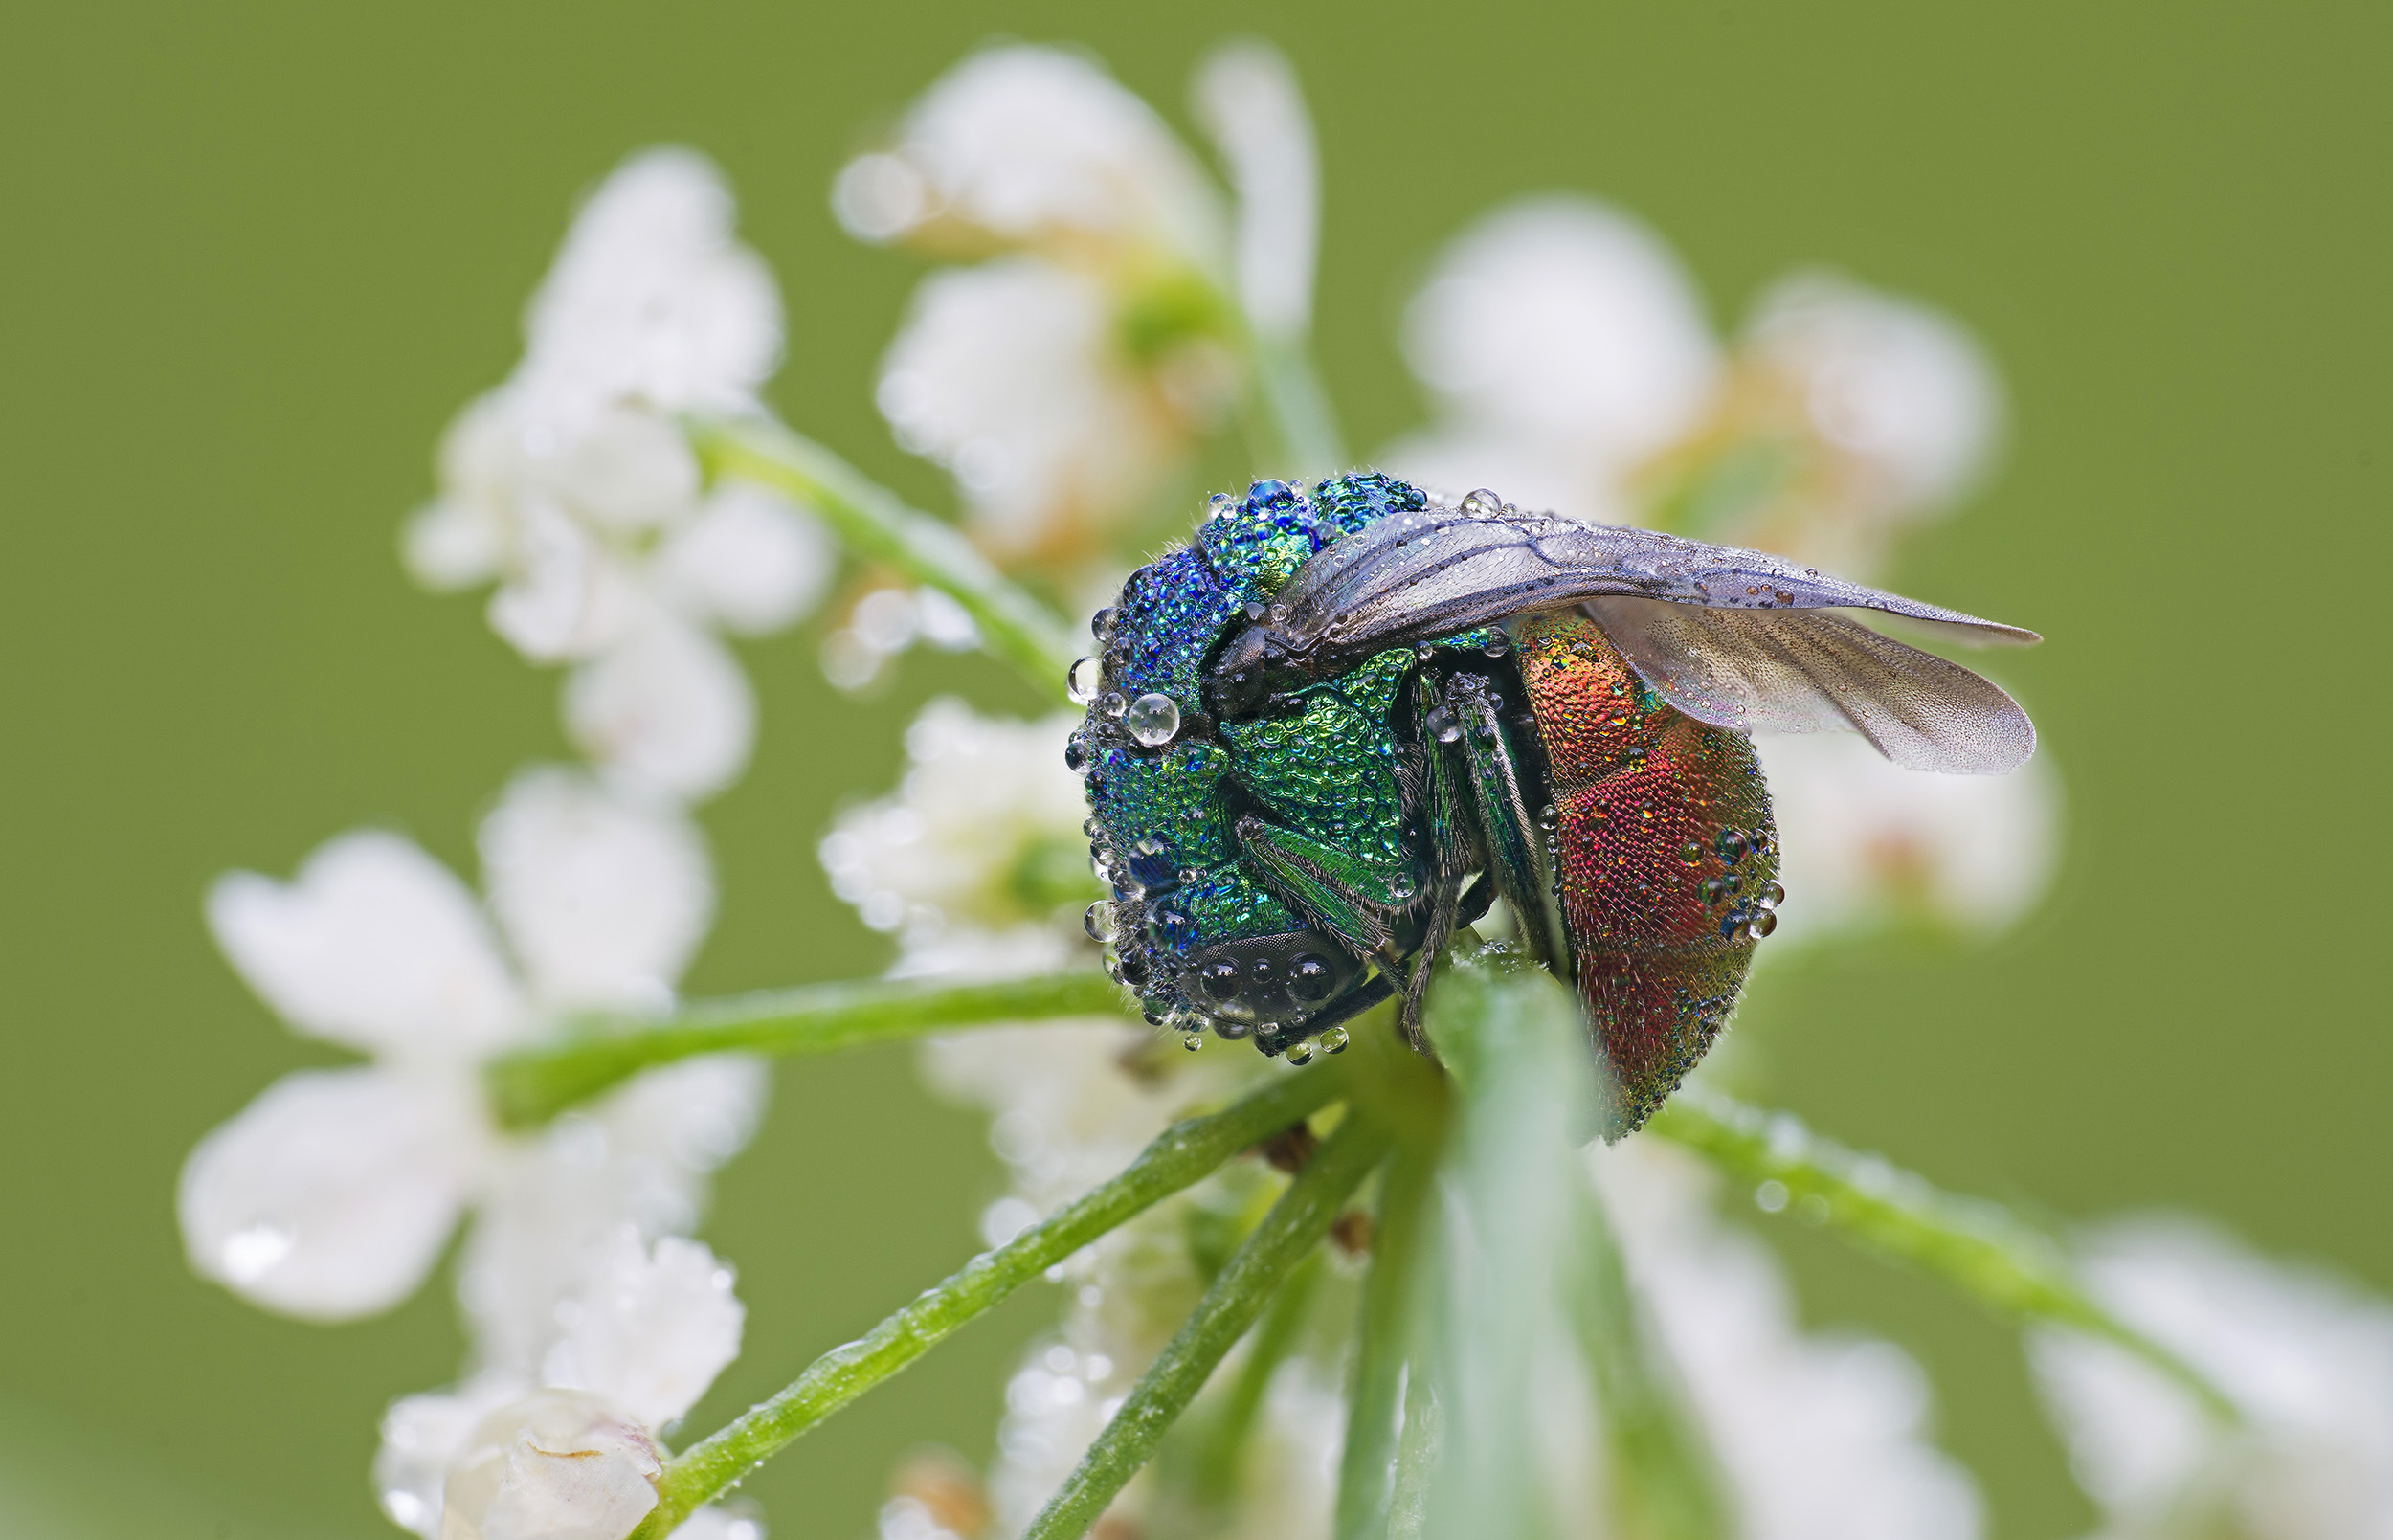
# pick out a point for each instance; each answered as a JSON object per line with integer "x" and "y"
{"x": 1665, "y": 1483}
{"x": 1983, "y": 1247}
{"x": 1297, "y": 406}
{"x": 1417, "y": 1450}
{"x": 876, "y": 525}
{"x": 1212, "y": 1468}
{"x": 1184, "y": 1155}
{"x": 530, "y": 1085}
{"x": 1384, "y": 1337}
{"x": 1293, "y": 1227}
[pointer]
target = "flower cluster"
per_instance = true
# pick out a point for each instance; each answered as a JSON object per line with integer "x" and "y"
{"x": 593, "y": 1324}
{"x": 1572, "y": 365}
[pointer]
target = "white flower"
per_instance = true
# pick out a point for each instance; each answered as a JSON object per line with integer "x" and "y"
{"x": 1247, "y": 96}
{"x": 573, "y": 487}
{"x": 1062, "y": 383}
{"x": 1863, "y": 842}
{"x": 1563, "y": 343}
{"x": 1037, "y": 147}
{"x": 1574, "y": 369}
{"x": 1821, "y": 1438}
{"x": 1012, "y": 376}
{"x": 978, "y": 856}
{"x": 332, "y": 1193}
{"x": 2307, "y": 1358}
{"x": 570, "y": 1450}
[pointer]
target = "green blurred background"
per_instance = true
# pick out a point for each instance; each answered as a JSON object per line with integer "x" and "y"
{"x": 256, "y": 256}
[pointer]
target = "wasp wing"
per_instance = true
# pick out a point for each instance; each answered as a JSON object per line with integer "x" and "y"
{"x": 1818, "y": 671}
{"x": 1774, "y": 661}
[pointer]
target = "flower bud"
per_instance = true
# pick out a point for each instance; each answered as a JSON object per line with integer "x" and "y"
{"x": 555, "y": 1465}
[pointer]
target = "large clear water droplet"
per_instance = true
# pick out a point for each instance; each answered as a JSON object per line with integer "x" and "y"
{"x": 1084, "y": 679}
{"x": 1154, "y": 719}
{"x": 1334, "y": 1040}
{"x": 1099, "y": 921}
{"x": 1193, "y": 1040}
{"x": 1483, "y": 505}
{"x": 1441, "y": 725}
{"x": 1300, "y": 1053}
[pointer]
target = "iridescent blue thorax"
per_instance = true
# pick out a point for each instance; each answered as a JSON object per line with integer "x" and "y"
{"x": 1196, "y": 929}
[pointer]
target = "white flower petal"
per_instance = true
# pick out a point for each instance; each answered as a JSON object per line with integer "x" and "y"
{"x": 652, "y": 297}
{"x": 637, "y": 1158}
{"x": 1009, "y": 376}
{"x": 1893, "y": 382}
{"x": 330, "y": 1195}
{"x": 1566, "y": 322}
{"x": 556, "y": 1466}
{"x": 752, "y": 561}
{"x": 374, "y": 944}
{"x": 1247, "y": 96}
{"x": 666, "y": 709}
{"x": 1822, "y": 1438}
{"x": 454, "y": 542}
{"x": 566, "y": 597}
{"x": 1862, "y": 840}
{"x": 1035, "y": 144}
{"x": 603, "y": 900}
{"x": 720, "y": 1524}
{"x": 422, "y": 1436}
{"x": 2307, "y": 1357}
{"x": 650, "y": 1327}
{"x": 622, "y": 470}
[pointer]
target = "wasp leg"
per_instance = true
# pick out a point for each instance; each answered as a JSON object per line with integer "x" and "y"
{"x": 1477, "y": 900}
{"x": 1341, "y": 895}
{"x": 1450, "y": 836}
{"x": 1508, "y": 829}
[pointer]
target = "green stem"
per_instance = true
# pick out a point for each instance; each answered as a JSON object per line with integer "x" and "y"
{"x": 1181, "y": 1156}
{"x": 530, "y": 1085}
{"x": 1384, "y": 1337}
{"x": 1666, "y": 1485}
{"x": 1983, "y": 1247}
{"x": 1416, "y": 1451}
{"x": 1297, "y": 407}
{"x": 874, "y": 523}
{"x": 1212, "y": 1474}
{"x": 1293, "y": 1227}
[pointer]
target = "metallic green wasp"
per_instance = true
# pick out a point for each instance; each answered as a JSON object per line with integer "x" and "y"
{"x": 1333, "y": 728}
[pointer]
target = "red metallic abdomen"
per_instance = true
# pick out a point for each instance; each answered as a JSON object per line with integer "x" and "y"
{"x": 1666, "y": 848}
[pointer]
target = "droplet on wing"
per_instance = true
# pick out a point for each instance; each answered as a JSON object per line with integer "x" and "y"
{"x": 1154, "y": 719}
{"x": 1099, "y": 921}
{"x": 1086, "y": 676}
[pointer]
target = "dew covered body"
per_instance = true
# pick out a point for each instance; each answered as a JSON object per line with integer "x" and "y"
{"x": 1238, "y": 849}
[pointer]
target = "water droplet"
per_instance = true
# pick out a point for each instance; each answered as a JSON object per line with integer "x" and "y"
{"x": 1076, "y": 754}
{"x": 1220, "y": 502}
{"x": 1149, "y": 845}
{"x": 1497, "y": 644}
{"x": 1773, "y": 895}
{"x": 1692, "y": 853}
{"x": 1770, "y": 1198}
{"x": 1732, "y": 846}
{"x": 1763, "y": 923}
{"x": 1085, "y": 678}
{"x": 1483, "y": 505}
{"x": 1308, "y": 978}
{"x": 1232, "y": 1030}
{"x": 1441, "y": 725}
{"x": 1714, "y": 891}
{"x": 1154, "y": 719}
{"x": 1300, "y": 1053}
{"x": 1192, "y": 1042}
{"x": 1266, "y": 492}
{"x": 1112, "y": 703}
{"x": 1099, "y": 922}
{"x": 1401, "y": 888}
{"x": 1334, "y": 1040}
{"x": 1218, "y": 979}
{"x": 1278, "y": 612}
